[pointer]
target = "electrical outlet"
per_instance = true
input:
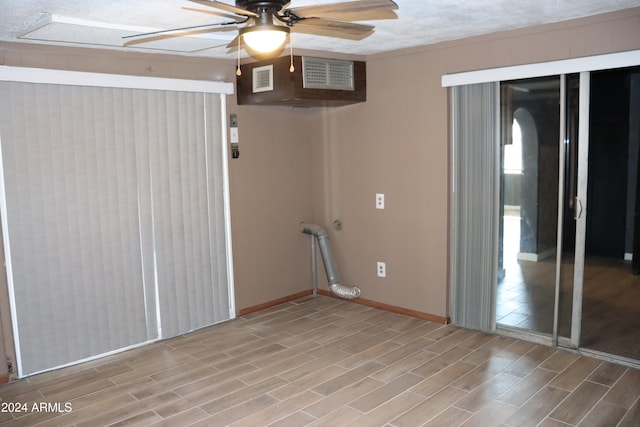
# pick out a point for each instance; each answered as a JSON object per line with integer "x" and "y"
{"x": 382, "y": 269}
{"x": 379, "y": 201}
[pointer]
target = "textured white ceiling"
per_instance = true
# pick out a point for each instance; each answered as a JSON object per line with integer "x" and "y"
{"x": 420, "y": 22}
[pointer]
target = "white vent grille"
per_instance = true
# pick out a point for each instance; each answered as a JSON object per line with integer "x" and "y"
{"x": 319, "y": 73}
{"x": 263, "y": 78}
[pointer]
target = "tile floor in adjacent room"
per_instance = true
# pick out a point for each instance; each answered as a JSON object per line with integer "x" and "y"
{"x": 611, "y": 298}
{"x": 320, "y": 361}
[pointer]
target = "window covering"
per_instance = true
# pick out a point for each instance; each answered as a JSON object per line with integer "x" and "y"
{"x": 114, "y": 218}
{"x": 475, "y": 211}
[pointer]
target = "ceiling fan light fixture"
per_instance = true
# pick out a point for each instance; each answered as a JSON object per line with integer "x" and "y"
{"x": 264, "y": 38}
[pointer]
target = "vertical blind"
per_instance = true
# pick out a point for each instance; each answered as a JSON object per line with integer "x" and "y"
{"x": 113, "y": 217}
{"x": 475, "y": 211}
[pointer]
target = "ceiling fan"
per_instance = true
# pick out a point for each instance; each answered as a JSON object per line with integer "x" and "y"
{"x": 268, "y": 22}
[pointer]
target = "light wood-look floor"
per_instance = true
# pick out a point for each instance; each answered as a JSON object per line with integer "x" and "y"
{"x": 321, "y": 361}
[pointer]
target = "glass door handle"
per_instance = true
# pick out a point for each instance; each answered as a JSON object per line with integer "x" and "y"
{"x": 578, "y": 209}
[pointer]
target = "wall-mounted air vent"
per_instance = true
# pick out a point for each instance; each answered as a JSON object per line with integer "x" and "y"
{"x": 263, "y": 78}
{"x": 314, "y": 82}
{"x": 319, "y": 73}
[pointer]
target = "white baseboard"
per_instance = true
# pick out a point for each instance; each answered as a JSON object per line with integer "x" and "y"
{"x": 535, "y": 257}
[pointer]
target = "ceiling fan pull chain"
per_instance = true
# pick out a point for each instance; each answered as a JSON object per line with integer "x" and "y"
{"x": 291, "y": 67}
{"x": 238, "y": 70}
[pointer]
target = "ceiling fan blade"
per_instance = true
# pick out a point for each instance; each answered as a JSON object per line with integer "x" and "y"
{"x": 333, "y": 28}
{"x": 373, "y": 15}
{"x": 207, "y": 48}
{"x": 233, "y": 44}
{"x": 226, "y": 7}
{"x": 352, "y": 8}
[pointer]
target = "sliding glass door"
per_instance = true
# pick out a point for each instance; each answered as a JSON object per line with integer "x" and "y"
{"x": 568, "y": 210}
{"x": 564, "y": 221}
{"x": 610, "y": 291}
{"x": 542, "y": 207}
{"x": 114, "y": 216}
{"x": 530, "y": 182}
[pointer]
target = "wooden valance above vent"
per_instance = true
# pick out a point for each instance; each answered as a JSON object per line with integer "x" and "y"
{"x": 315, "y": 82}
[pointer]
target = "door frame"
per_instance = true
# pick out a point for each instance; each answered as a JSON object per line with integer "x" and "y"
{"x": 608, "y": 61}
{"x": 581, "y": 207}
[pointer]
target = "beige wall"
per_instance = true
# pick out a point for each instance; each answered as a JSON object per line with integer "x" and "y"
{"x": 271, "y": 195}
{"x": 321, "y": 165}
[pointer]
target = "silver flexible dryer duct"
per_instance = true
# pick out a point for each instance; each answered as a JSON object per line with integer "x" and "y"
{"x": 348, "y": 292}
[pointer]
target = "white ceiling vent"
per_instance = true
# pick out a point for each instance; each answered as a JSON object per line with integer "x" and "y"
{"x": 319, "y": 73}
{"x": 263, "y": 78}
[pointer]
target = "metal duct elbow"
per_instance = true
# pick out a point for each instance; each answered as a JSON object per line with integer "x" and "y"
{"x": 313, "y": 229}
{"x": 348, "y": 292}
